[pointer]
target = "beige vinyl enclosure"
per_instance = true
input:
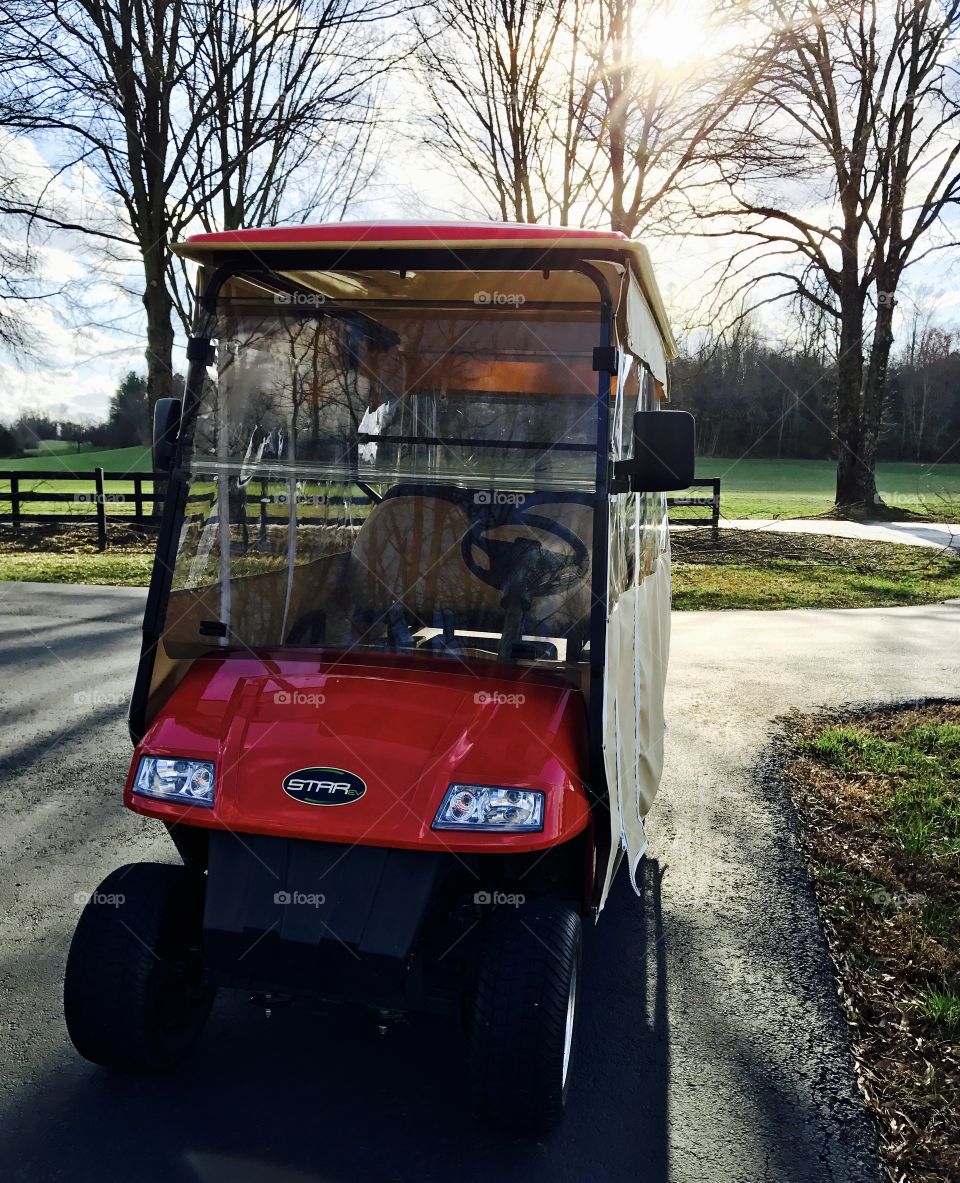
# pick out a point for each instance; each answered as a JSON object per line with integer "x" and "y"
{"x": 370, "y": 449}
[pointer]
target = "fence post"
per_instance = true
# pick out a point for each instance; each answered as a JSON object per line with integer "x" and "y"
{"x": 716, "y": 509}
{"x": 137, "y": 497}
{"x": 15, "y": 503}
{"x": 101, "y": 510}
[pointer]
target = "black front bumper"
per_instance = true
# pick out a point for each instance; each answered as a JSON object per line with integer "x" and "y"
{"x": 291, "y": 916}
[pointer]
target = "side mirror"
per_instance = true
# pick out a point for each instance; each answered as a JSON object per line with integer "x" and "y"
{"x": 166, "y": 428}
{"x": 664, "y": 453}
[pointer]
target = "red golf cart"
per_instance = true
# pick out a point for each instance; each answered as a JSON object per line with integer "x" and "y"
{"x": 399, "y": 701}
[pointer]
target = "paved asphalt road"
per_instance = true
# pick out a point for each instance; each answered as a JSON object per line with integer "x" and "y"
{"x": 711, "y": 1045}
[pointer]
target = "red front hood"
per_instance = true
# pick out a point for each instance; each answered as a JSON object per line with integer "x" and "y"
{"x": 407, "y": 729}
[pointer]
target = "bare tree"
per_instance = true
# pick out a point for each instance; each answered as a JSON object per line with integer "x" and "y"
{"x": 506, "y": 95}
{"x": 657, "y": 128}
{"x": 553, "y": 109}
{"x": 21, "y": 243}
{"x": 18, "y": 266}
{"x": 189, "y": 112}
{"x": 292, "y": 95}
{"x": 853, "y": 161}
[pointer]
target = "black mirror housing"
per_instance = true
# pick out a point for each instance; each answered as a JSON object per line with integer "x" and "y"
{"x": 664, "y": 453}
{"x": 166, "y": 428}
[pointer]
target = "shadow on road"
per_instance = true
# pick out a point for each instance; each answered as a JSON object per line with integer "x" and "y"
{"x": 301, "y": 1098}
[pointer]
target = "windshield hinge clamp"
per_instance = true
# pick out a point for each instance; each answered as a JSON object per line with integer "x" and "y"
{"x": 606, "y": 357}
{"x": 200, "y": 349}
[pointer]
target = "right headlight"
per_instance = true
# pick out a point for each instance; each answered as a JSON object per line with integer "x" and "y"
{"x": 170, "y": 779}
{"x": 491, "y": 808}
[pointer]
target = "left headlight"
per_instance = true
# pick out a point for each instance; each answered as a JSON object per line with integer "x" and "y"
{"x": 168, "y": 779}
{"x": 489, "y": 807}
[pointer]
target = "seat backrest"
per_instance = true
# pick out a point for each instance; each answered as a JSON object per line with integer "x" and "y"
{"x": 408, "y": 552}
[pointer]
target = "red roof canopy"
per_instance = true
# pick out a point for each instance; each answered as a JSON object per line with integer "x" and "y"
{"x": 371, "y": 236}
{"x": 421, "y": 233}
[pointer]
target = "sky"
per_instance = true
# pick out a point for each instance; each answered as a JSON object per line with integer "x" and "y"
{"x": 88, "y": 331}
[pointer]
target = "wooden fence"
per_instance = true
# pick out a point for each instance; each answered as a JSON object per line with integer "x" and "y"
{"x": 712, "y": 503}
{"x": 98, "y": 505}
{"x": 94, "y": 505}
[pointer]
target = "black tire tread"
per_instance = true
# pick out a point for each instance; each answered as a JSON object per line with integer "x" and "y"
{"x": 519, "y": 1017}
{"x": 110, "y": 966}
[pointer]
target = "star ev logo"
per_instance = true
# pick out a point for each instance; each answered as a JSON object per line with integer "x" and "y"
{"x": 324, "y": 786}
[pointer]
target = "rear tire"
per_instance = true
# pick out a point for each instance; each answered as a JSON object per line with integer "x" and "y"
{"x": 524, "y": 1015}
{"x": 133, "y": 995}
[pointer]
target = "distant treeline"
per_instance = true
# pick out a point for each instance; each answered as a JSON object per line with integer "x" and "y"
{"x": 127, "y": 423}
{"x": 748, "y": 395}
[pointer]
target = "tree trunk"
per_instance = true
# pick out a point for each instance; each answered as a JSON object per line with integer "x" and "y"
{"x": 159, "y": 351}
{"x": 875, "y": 388}
{"x": 851, "y": 487}
{"x": 616, "y": 122}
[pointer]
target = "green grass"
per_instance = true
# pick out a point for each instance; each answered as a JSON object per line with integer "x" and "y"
{"x": 56, "y": 448}
{"x": 749, "y": 488}
{"x": 783, "y": 584}
{"x": 118, "y": 568}
{"x": 805, "y": 488}
{"x": 769, "y": 571}
{"x": 921, "y": 806}
{"x": 878, "y": 804}
{"x": 940, "y": 1007}
{"x": 111, "y": 459}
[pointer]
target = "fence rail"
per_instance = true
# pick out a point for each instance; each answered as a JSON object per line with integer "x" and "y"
{"x": 712, "y": 503}
{"x": 99, "y": 498}
{"x": 147, "y": 493}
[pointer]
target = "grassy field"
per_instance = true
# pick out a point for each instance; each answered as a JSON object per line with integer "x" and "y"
{"x": 121, "y": 568}
{"x": 805, "y": 488}
{"x": 56, "y": 448}
{"x": 70, "y": 460}
{"x": 119, "y": 460}
{"x": 759, "y": 569}
{"x": 749, "y": 488}
{"x": 879, "y": 808}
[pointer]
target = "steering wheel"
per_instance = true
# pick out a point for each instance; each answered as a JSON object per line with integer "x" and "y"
{"x": 523, "y": 568}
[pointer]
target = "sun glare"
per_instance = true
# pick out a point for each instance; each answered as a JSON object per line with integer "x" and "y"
{"x": 674, "y": 36}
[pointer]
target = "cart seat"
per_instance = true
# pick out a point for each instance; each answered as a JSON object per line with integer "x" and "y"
{"x": 408, "y": 554}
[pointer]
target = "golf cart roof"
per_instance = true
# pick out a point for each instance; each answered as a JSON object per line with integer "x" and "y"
{"x": 446, "y": 236}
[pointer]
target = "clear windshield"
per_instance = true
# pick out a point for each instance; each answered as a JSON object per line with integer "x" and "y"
{"x": 402, "y": 478}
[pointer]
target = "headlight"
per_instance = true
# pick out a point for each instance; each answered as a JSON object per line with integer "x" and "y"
{"x": 487, "y": 807}
{"x": 168, "y": 779}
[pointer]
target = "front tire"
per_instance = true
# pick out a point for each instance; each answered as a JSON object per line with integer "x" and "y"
{"x": 133, "y": 994}
{"x": 524, "y": 1016}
